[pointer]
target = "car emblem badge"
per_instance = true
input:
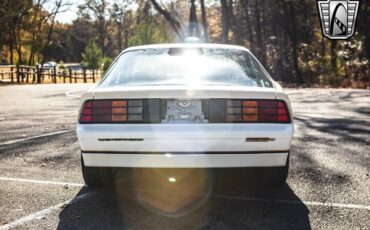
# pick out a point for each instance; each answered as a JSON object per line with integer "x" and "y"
{"x": 184, "y": 104}
{"x": 338, "y": 18}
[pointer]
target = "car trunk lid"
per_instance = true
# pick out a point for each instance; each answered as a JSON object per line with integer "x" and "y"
{"x": 181, "y": 92}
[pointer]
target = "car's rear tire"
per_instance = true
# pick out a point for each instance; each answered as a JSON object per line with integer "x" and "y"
{"x": 97, "y": 177}
{"x": 275, "y": 176}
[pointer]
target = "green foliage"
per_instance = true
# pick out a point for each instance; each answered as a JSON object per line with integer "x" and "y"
{"x": 147, "y": 33}
{"x": 107, "y": 61}
{"x": 92, "y": 57}
{"x": 147, "y": 30}
{"x": 61, "y": 65}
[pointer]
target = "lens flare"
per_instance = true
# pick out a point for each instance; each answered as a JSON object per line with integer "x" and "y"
{"x": 172, "y": 179}
{"x": 167, "y": 191}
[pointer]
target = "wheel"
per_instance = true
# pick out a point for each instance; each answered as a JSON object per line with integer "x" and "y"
{"x": 97, "y": 177}
{"x": 279, "y": 174}
{"x": 275, "y": 176}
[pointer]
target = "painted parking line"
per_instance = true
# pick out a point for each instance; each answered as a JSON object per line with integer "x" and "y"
{"x": 40, "y": 214}
{"x": 74, "y": 93}
{"x": 265, "y": 200}
{"x": 40, "y": 182}
{"x": 295, "y": 202}
{"x": 35, "y": 137}
{"x": 325, "y": 116}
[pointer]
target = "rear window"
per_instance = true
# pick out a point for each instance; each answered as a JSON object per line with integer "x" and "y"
{"x": 186, "y": 66}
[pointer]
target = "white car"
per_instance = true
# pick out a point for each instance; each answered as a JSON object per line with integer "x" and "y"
{"x": 48, "y": 65}
{"x": 185, "y": 106}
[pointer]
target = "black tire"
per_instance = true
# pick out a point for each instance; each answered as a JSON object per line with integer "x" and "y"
{"x": 280, "y": 174}
{"x": 275, "y": 176}
{"x": 97, "y": 177}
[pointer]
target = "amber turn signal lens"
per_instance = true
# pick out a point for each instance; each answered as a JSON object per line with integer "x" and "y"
{"x": 119, "y": 110}
{"x": 250, "y": 103}
{"x": 250, "y": 110}
{"x": 119, "y": 117}
{"x": 250, "y": 117}
{"x": 119, "y": 103}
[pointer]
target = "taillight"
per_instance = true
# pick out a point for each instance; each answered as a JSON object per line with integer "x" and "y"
{"x": 263, "y": 111}
{"x": 111, "y": 111}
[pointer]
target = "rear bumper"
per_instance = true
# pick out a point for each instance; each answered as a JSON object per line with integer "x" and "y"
{"x": 185, "y": 160}
{"x": 183, "y": 137}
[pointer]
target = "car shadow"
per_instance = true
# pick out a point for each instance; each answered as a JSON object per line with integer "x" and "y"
{"x": 200, "y": 199}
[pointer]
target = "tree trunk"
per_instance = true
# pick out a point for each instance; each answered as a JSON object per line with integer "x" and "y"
{"x": 294, "y": 41}
{"x": 333, "y": 55}
{"x": 50, "y": 32}
{"x": 46, "y": 45}
{"x": 18, "y": 39}
{"x": 261, "y": 53}
{"x": 248, "y": 22}
{"x": 224, "y": 21}
{"x": 11, "y": 43}
{"x": 287, "y": 74}
{"x": 193, "y": 22}
{"x": 19, "y": 51}
{"x": 119, "y": 36}
{"x": 30, "y": 57}
{"x": 323, "y": 46}
{"x": 126, "y": 38}
{"x": 230, "y": 15}
{"x": 367, "y": 46}
{"x": 176, "y": 26}
{"x": 204, "y": 21}
{"x": 102, "y": 35}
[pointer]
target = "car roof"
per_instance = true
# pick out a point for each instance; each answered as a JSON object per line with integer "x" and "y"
{"x": 186, "y": 45}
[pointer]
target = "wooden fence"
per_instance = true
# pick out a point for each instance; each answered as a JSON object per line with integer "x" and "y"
{"x": 31, "y": 74}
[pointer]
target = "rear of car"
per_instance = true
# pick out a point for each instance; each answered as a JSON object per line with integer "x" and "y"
{"x": 184, "y": 106}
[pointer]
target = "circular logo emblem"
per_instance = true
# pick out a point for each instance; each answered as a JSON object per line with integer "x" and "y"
{"x": 184, "y": 103}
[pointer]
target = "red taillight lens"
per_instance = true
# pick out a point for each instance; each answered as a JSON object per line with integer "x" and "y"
{"x": 111, "y": 111}
{"x": 86, "y": 112}
{"x": 263, "y": 111}
{"x": 283, "y": 115}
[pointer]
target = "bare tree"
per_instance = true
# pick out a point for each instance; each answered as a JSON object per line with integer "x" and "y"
{"x": 98, "y": 10}
{"x": 36, "y": 24}
{"x": 175, "y": 25}
{"x": 120, "y": 17}
{"x": 59, "y": 7}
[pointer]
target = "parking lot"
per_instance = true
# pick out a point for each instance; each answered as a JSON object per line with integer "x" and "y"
{"x": 41, "y": 185}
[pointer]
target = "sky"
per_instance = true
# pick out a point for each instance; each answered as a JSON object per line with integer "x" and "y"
{"x": 71, "y": 14}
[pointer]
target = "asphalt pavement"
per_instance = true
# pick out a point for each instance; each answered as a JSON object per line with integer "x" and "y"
{"x": 41, "y": 185}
